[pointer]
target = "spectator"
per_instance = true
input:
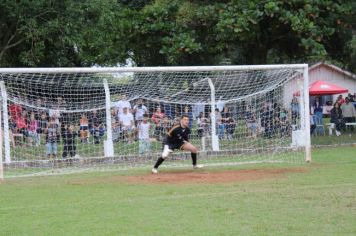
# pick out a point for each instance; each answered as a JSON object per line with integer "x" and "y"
{"x": 228, "y": 122}
{"x": 251, "y": 123}
{"x": 15, "y": 111}
{"x": 284, "y": 122}
{"x": 220, "y": 104}
{"x": 127, "y": 124}
{"x": 157, "y": 116}
{"x": 295, "y": 110}
{"x": 21, "y": 125}
{"x": 139, "y": 110}
{"x": 340, "y": 100}
{"x": 33, "y": 128}
{"x": 36, "y": 109}
{"x": 241, "y": 110}
{"x": 120, "y": 105}
{"x": 52, "y": 134}
{"x": 96, "y": 127}
{"x": 328, "y": 106}
{"x": 348, "y": 112}
{"x": 84, "y": 129}
{"x": 220, "y": 127}
{"x": 312, "y": 125}
{"x": 350, "y": 97}
{"x": 55, "y": 113}
{"x": 42, "y": 123}
{"x": 12, "y": 130}
{"x": 157, "y": 119}
{"x": 169, "y": 110}
{"x": 166, "y": 124}
{"x": 203, "y": 125}
{"x": 69, "y": 142}
{"x": 144, "y": 135}
{"x": 56, "y": 110}
{"x": 177, "y": 118}
{"x": 318, "y": 114}
{"x": 336, "y": 118}
{"x": 61, "y": 103}
{"x": 189, "y": 114}
{"x": 115, "y": 125}
{"x": 267, "y": 120}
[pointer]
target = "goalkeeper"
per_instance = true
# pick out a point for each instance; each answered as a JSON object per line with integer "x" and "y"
{"x": 177, "y": 138}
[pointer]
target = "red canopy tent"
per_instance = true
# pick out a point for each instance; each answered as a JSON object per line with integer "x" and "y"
{"x": 324, "y": 88}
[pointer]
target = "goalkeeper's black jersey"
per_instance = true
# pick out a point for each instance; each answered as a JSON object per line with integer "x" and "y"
{"x": 177, "y": 135}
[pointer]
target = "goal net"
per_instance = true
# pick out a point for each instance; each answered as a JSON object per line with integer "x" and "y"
{"x": 60, "y": 120}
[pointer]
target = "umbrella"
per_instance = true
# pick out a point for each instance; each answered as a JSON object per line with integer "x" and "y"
{"x": 324, "y": 88}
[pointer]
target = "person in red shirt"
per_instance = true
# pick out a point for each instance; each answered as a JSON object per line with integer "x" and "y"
{"x": 15, "y": 111}
{"x": 21, "y": 125}
{"x": 340, "y": 100}
{"x": 21, "y": 122}
{"x": 157, "y": 118}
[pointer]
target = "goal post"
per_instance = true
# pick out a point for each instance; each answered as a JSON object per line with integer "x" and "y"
{"x": 59, "y": 120}
{"x": 1, "y": 149}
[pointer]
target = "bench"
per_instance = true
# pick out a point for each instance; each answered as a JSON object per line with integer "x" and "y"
{"x": 350, "y": 124}
{"x": 331, "y": 126}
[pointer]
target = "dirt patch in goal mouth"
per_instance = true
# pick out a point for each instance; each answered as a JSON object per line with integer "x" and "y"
{"x": 206, "y": 176}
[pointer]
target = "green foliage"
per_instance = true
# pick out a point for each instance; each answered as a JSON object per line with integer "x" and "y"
{"x": 176, "y": 32}
{"x": 59, "y": 33}
{"x": 351, "y": 47}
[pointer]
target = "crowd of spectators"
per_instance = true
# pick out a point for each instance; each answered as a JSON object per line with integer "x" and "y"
{"x": 143, "y": 121}
{"x": 342, "y": 112}
{"x": 39, "y": 125}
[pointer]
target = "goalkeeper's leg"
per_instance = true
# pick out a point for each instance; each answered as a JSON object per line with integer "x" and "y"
{"x": 165, "y": 154}
{"x": 193, "y": 152}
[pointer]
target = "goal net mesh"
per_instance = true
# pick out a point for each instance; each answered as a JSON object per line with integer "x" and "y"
{"x": 59, "y": 122}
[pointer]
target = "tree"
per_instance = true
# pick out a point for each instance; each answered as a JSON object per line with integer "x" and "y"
{"x": 247, "y": 32}
{"x": 60, "y": 33}
{"x": 176, "y": 32}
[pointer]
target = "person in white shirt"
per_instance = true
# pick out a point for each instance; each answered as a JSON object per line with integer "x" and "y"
{"x": 126, "y": 120}
{"x": 140, "y": 110}
{"x": 121, "y": 104}
{"x": 348, "y": 112}
{"x": 220, "y": 127}
{"x": 220, "y": 104}
{"x": 144, "y": 135}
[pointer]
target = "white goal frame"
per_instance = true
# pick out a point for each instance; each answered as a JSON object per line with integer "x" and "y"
{"x": 302, "y": 68}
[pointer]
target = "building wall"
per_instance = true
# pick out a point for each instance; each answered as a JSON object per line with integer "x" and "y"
{"x": 328, "y": 74}
{"x": 324, "y": 73}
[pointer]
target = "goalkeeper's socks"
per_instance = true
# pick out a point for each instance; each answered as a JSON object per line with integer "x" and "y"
{"x": 159, "y": 162}
{"x": 194, "y": 158}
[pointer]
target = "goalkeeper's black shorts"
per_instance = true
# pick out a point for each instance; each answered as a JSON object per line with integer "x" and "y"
{"x": 173, "y": 146}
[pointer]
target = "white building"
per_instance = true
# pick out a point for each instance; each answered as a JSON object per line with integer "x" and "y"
{"x": 325, "y": 72}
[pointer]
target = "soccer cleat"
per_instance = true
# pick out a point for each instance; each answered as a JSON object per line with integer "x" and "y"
{"x": 154, "y": 171}
{"x": 197, "y": 167}
{"x": 166, "y": 151}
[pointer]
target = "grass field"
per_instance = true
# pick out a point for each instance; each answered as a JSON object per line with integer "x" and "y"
{"x": 319, "y": 199}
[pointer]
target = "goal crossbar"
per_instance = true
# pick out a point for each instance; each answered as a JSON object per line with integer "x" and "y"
{"x": 150, "y": 69}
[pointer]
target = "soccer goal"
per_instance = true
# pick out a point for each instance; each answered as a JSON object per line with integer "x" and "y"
{"x": 60, "y": 120}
